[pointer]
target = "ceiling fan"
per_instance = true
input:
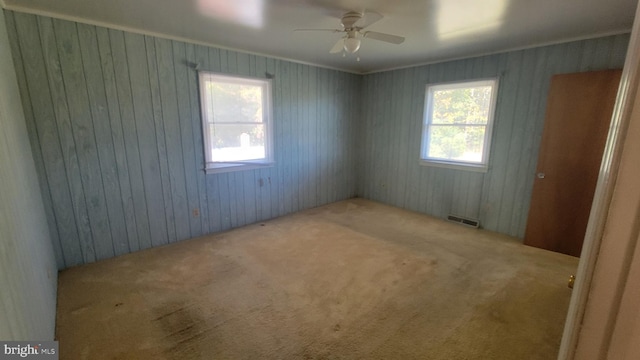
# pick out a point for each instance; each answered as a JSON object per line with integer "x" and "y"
{"x": 353, "y": 23}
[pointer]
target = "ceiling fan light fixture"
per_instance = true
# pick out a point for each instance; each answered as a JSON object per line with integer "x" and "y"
{"x": 352, "y": 25}
{"x": 351, "y": 45}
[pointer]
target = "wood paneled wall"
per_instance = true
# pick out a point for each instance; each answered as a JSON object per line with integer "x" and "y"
{"x": 392, "y": 121}
{"x": 114, "y": 123}
{"x": 28, "y": 274}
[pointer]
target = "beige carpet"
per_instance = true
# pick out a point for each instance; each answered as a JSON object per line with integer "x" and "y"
{"x": 351, "y": 280}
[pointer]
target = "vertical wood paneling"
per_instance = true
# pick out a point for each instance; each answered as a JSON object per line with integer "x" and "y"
{"x": 303, "y": 103}
{"x": 499, "y": 198}
{"x": 104, "y": 144}
{"x": 65, "y": 129}
{"x": 47, "y": 135}
{"x": 517, "y": 117}
{"x": 137, "y": 202}
{"x": 173, "y": 137}
{"x": 400, "y": 165}
{"x": 285, "y": 121}
{"x": 117, "y": 124}
{"x": 158, "y": 119}
{"x": 82, "y": 148}
{"x": 414, "y": 126}
{"x": 294, "y": 129}
{"x": 28, "y": 273}
{"x": 147, "y": 142}
{"x": 321, "y": 148}
{"x": 34, "y": 141}
{"x": 528, "y": 109}
{"x": 120, "y": 244}
{"x": 333, "y": 136}
{"x": 114, "y": 121}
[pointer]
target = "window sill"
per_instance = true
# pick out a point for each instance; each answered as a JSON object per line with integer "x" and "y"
{"x": 455, "y": 165}
{"x": 225, "y": 168}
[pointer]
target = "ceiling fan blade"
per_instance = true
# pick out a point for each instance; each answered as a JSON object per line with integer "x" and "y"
{"x": 384, "y": 37}
{"x": 337, "y": 47}
{"x": 368, "y": 18}
{"x": 329, "y": 30}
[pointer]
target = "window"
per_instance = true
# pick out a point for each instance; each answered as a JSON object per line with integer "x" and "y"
{"x": 457, "y": 124}
{"x": 236, "y": 118}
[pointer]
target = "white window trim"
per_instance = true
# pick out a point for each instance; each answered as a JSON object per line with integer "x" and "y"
{"x": 214, "y": 167}
{"x": 426, "y": 123}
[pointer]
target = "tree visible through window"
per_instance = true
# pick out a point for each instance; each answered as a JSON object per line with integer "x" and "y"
{"x": 457, "y": 123}
{"x": 236, "y": 121}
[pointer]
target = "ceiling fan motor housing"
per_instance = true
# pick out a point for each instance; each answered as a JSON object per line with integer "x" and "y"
{"x": 350, "y": 18}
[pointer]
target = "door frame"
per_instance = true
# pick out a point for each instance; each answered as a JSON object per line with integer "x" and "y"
{"x": 594, "y": 307}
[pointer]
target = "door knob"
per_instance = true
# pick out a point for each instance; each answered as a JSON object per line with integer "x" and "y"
{"x": 540, "y": 175}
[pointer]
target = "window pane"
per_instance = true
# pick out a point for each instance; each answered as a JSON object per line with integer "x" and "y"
{"x": 230, "y": 102}
{"x": 461, "y": 106}
{"x": 461, "y": 143}
{"x": 231, "y": 142}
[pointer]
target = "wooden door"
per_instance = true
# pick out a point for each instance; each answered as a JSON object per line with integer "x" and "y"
{"x": 579, "y": 109}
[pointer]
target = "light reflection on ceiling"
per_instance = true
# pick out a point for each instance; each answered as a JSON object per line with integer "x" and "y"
{"x": 241, "y": 12}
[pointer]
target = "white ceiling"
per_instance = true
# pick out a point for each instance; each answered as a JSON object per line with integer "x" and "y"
{"x": 435, "y": 30}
